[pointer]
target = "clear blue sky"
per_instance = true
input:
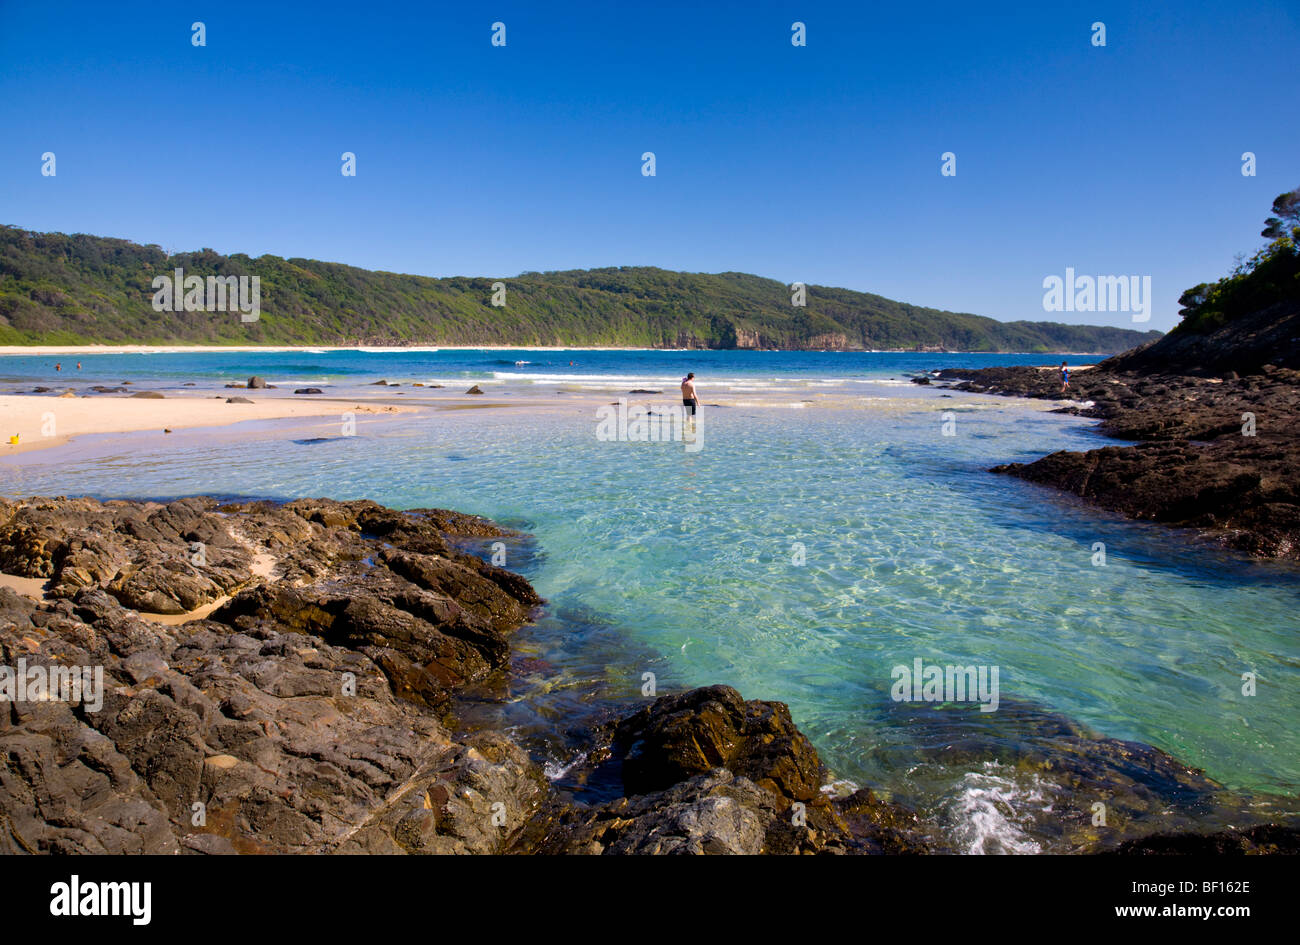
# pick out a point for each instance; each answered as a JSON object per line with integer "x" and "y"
{"x": 819, "y": 164}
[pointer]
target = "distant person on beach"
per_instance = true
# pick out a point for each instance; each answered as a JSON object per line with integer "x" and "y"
{"x": 78, "y": 365}
{"x": 1065, "y": 377}
{"x": 689, "y": 397}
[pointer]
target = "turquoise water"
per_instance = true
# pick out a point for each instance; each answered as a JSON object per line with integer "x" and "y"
{"x": 658, "y": 559}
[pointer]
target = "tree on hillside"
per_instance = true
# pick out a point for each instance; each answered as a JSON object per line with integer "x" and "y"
{"x": 1271, "y": 275}
{"x": 1286, "y": 214}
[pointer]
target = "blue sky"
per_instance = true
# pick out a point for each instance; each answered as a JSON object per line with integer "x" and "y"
{"x": 819, "y": 164}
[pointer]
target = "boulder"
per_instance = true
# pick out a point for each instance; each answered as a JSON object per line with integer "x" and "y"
{"x": 680, "y": 736}
{"x": 255, "y": 382}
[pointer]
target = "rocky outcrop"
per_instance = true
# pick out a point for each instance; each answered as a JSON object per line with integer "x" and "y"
{"x": 707, "y": 772}
{"x": 1243, "y": 345}
{"x": 302, "y": 714}
{"x": 1244, "y": 491}
{"x": 1263, "y": 839}
{"x": 1223, "y": 453}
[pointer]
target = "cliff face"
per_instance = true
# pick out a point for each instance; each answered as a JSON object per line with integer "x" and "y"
{"x": 747, "y": 338}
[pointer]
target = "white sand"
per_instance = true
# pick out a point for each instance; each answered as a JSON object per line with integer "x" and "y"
{"x": 42, "y": 422}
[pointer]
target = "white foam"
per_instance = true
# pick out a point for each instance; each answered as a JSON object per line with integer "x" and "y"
{"x": 990, "y": 811}
{"x": 554, "y": 770}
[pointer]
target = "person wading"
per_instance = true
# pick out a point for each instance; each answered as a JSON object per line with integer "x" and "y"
{"x": 690, "y": 400}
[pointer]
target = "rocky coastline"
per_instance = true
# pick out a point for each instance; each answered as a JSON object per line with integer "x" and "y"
{"x": 1215, "y": 417}
{"x": 279, "y": 678}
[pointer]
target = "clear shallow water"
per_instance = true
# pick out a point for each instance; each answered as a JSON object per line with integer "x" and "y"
{"x": 659, "y": 560}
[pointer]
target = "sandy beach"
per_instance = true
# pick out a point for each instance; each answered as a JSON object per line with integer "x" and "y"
{"x": 43, "y": 422}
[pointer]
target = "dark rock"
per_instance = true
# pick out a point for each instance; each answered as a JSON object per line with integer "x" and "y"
{"x": 1199, "y": 469}
{"x": 148, "y": 395}
{"x": 1243, "y": 491}
{"x": 474, "y": 390}
{"x": 255, "y": 382}
{"x": 683, "y": 735}
{"x": 1265, "y": 838}
{"x": 309, "y": 390}
{"x": 708, "y": 773}
{"x": 251, "y": 714}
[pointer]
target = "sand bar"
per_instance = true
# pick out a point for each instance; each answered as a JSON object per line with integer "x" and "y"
{"x": 42, "y": 422}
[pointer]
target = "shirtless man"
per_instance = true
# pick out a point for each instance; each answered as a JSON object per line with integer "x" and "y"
{"x": 689, "y": 397}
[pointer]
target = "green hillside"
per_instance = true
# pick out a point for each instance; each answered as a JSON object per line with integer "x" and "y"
{"x": 60, "y": 289}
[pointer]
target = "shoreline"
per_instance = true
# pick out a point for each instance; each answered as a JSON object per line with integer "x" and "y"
{"x": 42, "y": 422}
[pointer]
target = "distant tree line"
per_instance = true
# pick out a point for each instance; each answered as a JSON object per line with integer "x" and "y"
{"x": 79, "y": 289}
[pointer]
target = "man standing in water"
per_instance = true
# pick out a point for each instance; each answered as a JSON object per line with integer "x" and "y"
{"x": 689, "y": 398}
